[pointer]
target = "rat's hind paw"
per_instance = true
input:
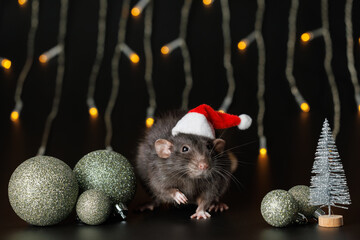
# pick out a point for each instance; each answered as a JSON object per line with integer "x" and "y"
{"x": 201, "y": 215}
{"x": 218, "y": 206}
{"x": 179, "y": 197}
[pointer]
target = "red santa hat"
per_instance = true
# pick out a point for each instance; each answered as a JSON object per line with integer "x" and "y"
{"x": 202, "y": 121}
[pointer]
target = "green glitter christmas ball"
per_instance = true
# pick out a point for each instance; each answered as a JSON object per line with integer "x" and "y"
{"x": 279, "y": 208}
{"x": 43, "y": 190}
{"x": 301, "y": 194}
{"x": 93, "y": 207}
{"x": 109, "y": 172}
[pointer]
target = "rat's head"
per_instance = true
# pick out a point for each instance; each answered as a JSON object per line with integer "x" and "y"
{"x": 192, "y": 155}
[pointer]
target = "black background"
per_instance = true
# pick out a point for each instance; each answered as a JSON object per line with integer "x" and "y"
{"x": 291, "y": 135}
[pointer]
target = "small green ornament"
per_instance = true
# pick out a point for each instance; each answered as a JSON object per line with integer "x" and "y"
{"x": 279, "y": 208}
{"x": 109, "y": 172}
{"x": 43, "y": 190}
{"x": 301, "y": 194}
{"x": 93, "y": 207}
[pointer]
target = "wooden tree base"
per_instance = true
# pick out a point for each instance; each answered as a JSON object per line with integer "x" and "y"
{"x": 331, "y": 221}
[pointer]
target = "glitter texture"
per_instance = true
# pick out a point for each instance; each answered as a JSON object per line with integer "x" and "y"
{"x": 93, "y": 207}
{"x": 279, "y": 208}
{"x": 43, "y": 190}
{"x": 109, "y": 172}
{"x": 328, "y": 186}
{"x": 301, "y": 195}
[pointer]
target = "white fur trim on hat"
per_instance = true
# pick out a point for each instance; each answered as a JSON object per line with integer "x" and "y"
{"x": 245, "y": 121}
{"x": 194, "y": 123}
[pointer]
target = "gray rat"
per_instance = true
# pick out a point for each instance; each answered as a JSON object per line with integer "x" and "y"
{"x": 185, "y": 168}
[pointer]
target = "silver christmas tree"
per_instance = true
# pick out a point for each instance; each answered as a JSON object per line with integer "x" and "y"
{"x": 328, "y": 185}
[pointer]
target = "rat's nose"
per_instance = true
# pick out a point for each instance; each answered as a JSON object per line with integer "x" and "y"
{"x": 203, "y": 166}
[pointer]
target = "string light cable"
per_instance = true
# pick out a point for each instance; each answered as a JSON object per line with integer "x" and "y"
{"x": 149, "y": 66}
{"x": 304, "y": 106}
{"x": 327, "y": 65}
{"x": 93, "y": 111}
{"x": 227, "y": 56}
{"x": 350, "y": 51}
{"x": 185, "y": 52}
{"x": 59, "y": 77}
{"x": 261, "y": 74}
{"x": 29, "y": 57}
{"x": 115, "y": 72}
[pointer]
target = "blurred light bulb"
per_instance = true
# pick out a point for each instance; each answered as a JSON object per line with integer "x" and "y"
{"x": 207, "y": 2}
{"x": 14, "y": 116}
{"x": 263, "y": 151}
{"x": 359, "y": 108}
{"x": 305, "y": 107}
{"x": 134, "y": 58}
{"x": 221, "y": 111}
{"x": 242, "y": 45}
{"x": 135, "y": 11}
{"x": 93, "y": 112}
{"x": 6, "y": 63}
{"x": 43, "y": 58}
{"x": 22, "y": 2}
{"x": 165, "y": 50}
{"x": 149, "y": 122}
{"x": 305, "y": 37}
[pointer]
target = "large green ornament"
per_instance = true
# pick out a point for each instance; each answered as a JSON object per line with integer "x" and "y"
{"x": 43, "y": 190}
{"x": 109, "y": 172}
{"x": 301, "y": 194}
{"x": 93, "y": 207}
{"x": 279, "y": 208}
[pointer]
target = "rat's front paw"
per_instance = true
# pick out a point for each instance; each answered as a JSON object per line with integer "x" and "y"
{"x": 201, "y": 215}
{"x": 218, "y": 206}
{"x": 179, "y": 197}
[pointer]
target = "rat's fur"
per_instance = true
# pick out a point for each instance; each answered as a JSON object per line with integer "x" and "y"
{"x": 179, "y": 173}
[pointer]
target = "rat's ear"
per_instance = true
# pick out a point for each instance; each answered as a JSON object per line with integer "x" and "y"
{"x": 163, "y": 148}
{"x": 219, "y": 145}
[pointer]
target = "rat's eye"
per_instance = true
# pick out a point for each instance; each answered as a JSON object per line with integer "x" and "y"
{"x": 185, "y": 149}
{"x": 209, "y": 146}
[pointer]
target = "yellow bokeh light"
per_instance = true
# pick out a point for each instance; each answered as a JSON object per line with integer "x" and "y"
{"x": 165, "y": 50}
{"x": 359, "y": 108}
{"x": 6, "y": 63}
{"x": 93, "y": 112}
{"x": 135, "y": 11}
{"x": 134, "y": 58}
{"x": 43, "y": 58}
{"x": 207, "y": 2}
{"x": 305, "y": 107}
{"x": 221, "y": 111}
{"x": 14, "y": 116}
{"x": 149, "y": 122}
{"x": 22, "y": 2}
{"x": 242, "y": 45}
{"x": 305, "y": 37}
{"x": 263, "y": 151}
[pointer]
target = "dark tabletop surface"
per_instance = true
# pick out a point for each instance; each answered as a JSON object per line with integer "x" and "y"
{"x": 291, "y": 135}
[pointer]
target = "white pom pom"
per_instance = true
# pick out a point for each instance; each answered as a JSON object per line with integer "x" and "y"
{"x": 245, "y": 122}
